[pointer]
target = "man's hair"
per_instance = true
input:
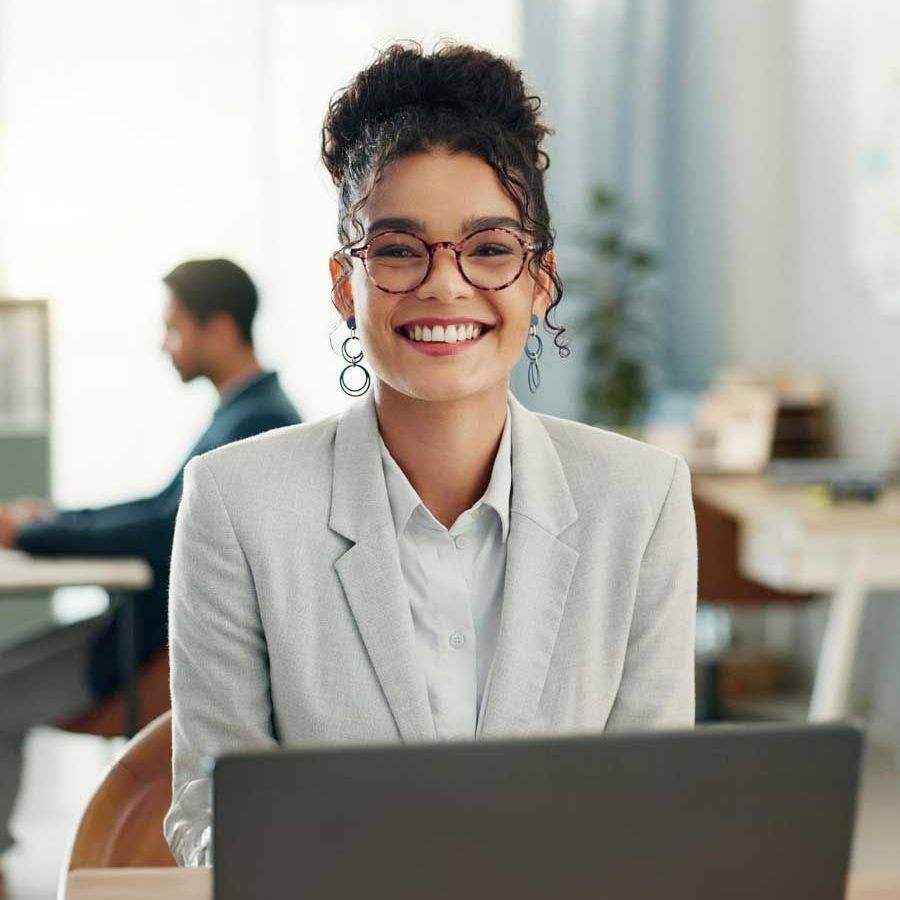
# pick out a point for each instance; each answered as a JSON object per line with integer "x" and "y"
{"x": 205, "y": 287}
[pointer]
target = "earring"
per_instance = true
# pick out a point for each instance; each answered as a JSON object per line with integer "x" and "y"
{"x": 534, "y": 353}
{"x": 353, "y": 360}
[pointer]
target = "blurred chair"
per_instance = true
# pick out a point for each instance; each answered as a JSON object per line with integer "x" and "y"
{"x": 720, "y": 581}
{"x": 719, "y": 578}
{"x": 107, "y": 719}
{"x": 122, "y": 825}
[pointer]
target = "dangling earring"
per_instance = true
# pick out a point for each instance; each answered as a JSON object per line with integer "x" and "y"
{"x": 534, "y": 354}
{"x": 353, "y": 363}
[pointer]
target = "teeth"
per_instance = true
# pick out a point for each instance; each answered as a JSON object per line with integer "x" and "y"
{"x": 452, "y": 334}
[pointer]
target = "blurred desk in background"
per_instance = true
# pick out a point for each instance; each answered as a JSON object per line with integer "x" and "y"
{"x": 196, "y": 884}
{"x": 788, "y": 541}
{"x": 120, "y": 578}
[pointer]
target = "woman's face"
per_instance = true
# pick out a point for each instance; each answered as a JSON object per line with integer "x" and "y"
{"x": 440, "y": 197}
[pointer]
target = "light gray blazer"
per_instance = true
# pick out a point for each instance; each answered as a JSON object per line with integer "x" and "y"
{"x": 289, "y": 621}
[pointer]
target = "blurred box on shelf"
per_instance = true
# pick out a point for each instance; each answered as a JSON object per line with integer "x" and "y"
{"x": 743, "y": 421}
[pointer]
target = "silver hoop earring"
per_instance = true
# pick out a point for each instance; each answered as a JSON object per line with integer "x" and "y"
{"x": 353, "y": 360}
{"x": 534, "y": 353}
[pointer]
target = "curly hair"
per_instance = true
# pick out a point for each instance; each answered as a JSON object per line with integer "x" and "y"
{"x": 460, "y": 99}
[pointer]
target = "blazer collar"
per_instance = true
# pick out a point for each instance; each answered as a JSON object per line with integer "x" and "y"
{"x": 539, "y": 570}
{"x": 540, "y": 488}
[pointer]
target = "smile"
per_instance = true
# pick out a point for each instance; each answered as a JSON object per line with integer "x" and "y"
{"x": 443, "y": 339}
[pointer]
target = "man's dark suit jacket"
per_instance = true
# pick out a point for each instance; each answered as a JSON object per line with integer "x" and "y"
{"x": 145, "y": 528}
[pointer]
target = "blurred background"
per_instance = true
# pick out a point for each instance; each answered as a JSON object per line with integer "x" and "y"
{"x": 725, "y": 184}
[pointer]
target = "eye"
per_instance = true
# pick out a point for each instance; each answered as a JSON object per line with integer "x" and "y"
{"x": 492, "y": 250}
{"x": 395, "y": 251}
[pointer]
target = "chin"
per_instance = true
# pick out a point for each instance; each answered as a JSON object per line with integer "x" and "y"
{"x": 446, "y": 389}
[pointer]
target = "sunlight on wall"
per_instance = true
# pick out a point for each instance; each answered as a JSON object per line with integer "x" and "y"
{"x": 130, "y": 143}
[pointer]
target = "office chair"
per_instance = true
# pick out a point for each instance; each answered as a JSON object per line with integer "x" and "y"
{"x": 122, "y": 823}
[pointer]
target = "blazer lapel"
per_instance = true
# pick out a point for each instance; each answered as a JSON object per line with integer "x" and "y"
{"x": 370, "y": 572}
{"x": 539, "y": 569}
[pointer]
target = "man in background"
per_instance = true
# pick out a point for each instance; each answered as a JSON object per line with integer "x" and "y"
{"x": 208, "y": 319}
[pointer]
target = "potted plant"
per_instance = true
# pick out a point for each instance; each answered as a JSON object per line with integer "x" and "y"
{"x": 620, "y": 337}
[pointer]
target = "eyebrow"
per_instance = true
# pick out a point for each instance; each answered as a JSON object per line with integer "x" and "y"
{"x": 476, "y": 223}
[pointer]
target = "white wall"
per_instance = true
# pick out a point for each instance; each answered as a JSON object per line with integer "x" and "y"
{"x": 136, "y": 135}
{"x": 756, "y": 112}
{"x": 838, "y": 330}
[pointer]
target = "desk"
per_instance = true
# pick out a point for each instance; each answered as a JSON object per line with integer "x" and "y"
{"x": 790, "y": 541}
{"x": 196, "y": 884}
{"x": 120, "y": 578}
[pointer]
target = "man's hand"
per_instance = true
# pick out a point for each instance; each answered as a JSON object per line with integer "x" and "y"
{"x": 8, "y": 531}
{"x": 16, "y": 514}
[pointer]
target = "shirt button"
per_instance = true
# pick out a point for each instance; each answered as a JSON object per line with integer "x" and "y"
{"x": 460, "y": 541}
{"x": 457, "y": 640}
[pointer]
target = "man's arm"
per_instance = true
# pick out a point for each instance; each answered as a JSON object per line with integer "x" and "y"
{"x": 125, "y": 529}
{"x": 100, "y": 534}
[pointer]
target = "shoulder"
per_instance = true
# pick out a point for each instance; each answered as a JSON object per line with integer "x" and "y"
{"x": 265, "y": 405}
{"x": 612, "y": 471}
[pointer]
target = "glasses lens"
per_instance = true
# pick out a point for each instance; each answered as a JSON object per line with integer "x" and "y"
{"x": 492, "y": 258}
{"x": 396, "y": 261}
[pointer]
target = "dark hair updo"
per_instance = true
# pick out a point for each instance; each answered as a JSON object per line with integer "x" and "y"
{"x": 458, "y": 99}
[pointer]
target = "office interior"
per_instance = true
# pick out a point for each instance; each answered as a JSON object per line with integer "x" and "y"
{"x": 726, "y": 173}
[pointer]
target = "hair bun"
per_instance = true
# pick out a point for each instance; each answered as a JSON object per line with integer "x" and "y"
{"x": 456, "y": 82}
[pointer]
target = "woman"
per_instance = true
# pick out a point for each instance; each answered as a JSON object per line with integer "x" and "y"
{"x": 436, "y": 562}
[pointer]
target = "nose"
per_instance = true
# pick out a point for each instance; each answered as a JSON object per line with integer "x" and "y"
{"x": 445, "y": 280}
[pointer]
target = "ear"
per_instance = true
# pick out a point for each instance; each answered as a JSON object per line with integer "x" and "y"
{"x": 341, "y": 292}
{"x": 223, "y": 327}
{"x": 542, "y": 295}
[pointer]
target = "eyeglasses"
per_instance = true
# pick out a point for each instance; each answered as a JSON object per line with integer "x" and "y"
{"x": 489, "y": 259}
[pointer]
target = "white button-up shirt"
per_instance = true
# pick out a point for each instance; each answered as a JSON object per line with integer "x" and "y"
{"x": 454, "y": 581}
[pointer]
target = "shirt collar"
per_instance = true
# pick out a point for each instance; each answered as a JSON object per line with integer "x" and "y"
{"x": 232, "y": 392}
{"x": 404, "y": 500}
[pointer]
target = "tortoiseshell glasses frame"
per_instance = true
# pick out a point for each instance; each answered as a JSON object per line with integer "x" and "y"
{"x": 430, "y": 249}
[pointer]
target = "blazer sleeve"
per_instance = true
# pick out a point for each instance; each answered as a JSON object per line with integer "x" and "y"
{"x": 221, "y": 700}
{"x": 656, "y": 689}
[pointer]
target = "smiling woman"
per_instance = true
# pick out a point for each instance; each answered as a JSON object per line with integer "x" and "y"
{"x": 437, "y": 562}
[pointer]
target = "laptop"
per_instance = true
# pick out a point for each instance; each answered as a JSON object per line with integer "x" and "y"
{"x": 728, "y": 811}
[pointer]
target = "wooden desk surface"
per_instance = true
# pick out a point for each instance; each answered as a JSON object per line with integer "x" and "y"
{"x": 789, "y": 540}
{"x": 196, "y": 884}
{"x": 20, "y": 572}
{"x": 752, "y": 499}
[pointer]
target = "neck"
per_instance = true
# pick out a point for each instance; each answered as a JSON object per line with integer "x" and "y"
{"x": 235, "y": 370}
{"x": 445, "y": 449}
